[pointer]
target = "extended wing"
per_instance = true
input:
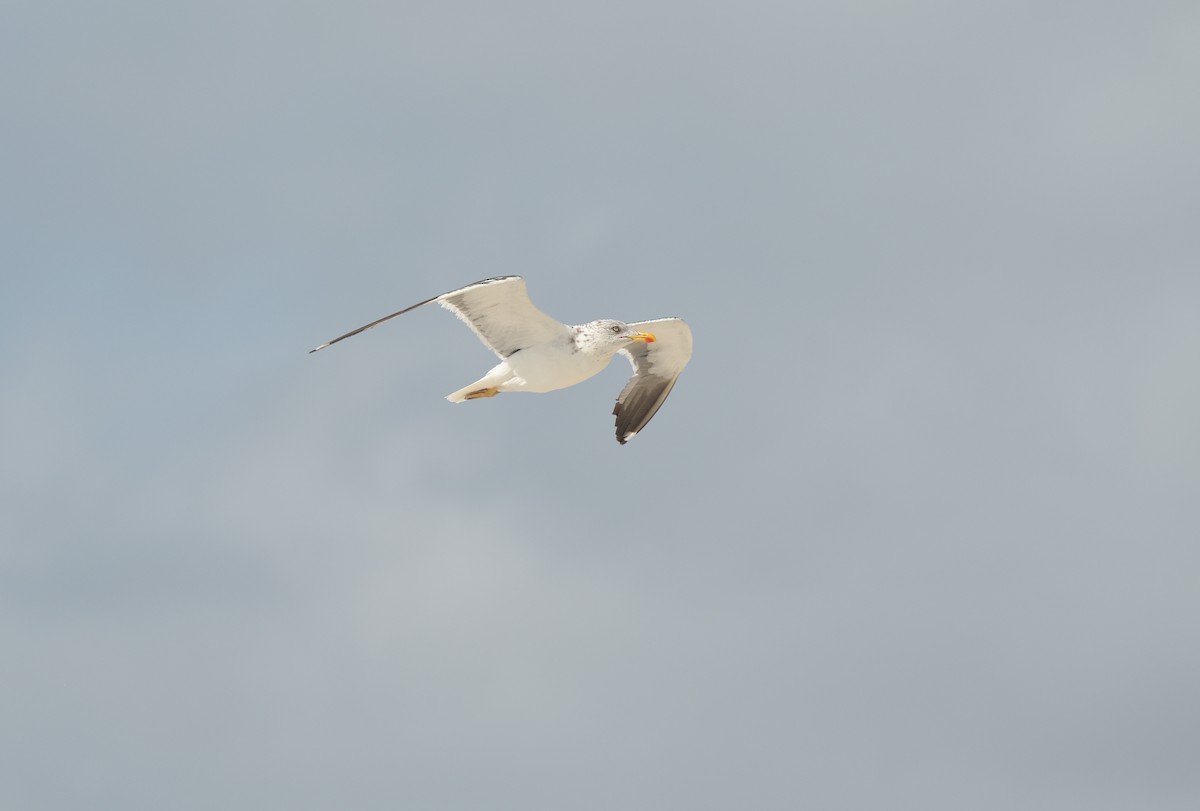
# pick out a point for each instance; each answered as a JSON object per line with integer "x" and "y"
{"x": 656, "y": 367}
{"x": 497, "y": 310}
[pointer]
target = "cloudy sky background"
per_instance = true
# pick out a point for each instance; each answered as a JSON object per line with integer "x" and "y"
{"x": 918, "y": 528}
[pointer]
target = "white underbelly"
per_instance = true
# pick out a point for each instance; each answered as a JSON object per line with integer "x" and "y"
{"x": 546, "y": 368}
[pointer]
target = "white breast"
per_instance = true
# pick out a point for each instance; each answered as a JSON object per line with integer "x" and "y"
{"x": 553, "y": 366}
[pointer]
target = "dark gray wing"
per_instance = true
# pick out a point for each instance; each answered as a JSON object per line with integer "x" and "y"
{"x": 656, "y": 367}
{"x": 497, "y": 310}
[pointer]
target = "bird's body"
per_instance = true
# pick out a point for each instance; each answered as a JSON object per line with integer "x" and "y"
{"x": 538, "y": 354}
{"x": 538, "y": 369}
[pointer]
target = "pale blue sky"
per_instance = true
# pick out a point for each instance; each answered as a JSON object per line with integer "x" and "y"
{"x": 917, "y": 529}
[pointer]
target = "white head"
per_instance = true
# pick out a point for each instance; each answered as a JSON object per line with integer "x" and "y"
{"x": 606, "y": 336}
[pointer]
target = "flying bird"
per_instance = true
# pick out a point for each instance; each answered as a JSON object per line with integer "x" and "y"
{"x": 539, "y": 354}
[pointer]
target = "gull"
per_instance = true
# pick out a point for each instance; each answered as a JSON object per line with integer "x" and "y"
{"x": 538, "y": 354}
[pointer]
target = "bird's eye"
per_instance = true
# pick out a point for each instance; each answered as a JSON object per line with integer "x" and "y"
{"x": 615, "y": 328}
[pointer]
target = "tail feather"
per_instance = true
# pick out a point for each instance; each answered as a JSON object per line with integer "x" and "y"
{"x": 493, "y": 379}
{"x": 473, "y": 392}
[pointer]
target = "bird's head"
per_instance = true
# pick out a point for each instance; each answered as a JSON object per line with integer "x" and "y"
{"x": 608, "y": 336}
